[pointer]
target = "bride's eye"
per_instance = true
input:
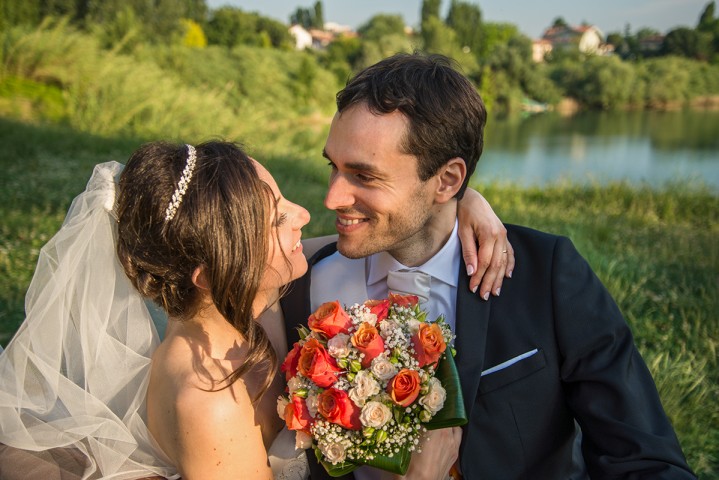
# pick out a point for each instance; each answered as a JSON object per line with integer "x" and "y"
{"x": 281, "y": 219}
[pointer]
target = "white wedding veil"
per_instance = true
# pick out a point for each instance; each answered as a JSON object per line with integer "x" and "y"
{"x": 74, "y": 377}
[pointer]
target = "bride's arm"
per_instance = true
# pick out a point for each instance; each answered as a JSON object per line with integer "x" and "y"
{"x": 217, "y": 435}
{"x": 479, "y": 225}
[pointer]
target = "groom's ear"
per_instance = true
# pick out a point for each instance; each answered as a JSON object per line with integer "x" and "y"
{"x": 449, "y": 179}
{"x": 199, "y": 278}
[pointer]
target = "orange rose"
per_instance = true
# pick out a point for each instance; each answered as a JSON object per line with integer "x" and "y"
{"x": 368, "y": 341}
{"x": 297, "y": 416}
{"x": 330, "y": 319}
{"x": 379, "y": 307}
{"x": 428, "y": 344}
{"x": 403, "y": 300}
{"x": 337, "y": 407}
{"x": 289, "y": 366}
{"x": 316, "y": 364}
{"x": 404, "y": 387}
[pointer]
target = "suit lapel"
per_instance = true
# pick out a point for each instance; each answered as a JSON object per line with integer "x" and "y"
{"x": 471, "y": 330}
{"x": 296, "y": 305}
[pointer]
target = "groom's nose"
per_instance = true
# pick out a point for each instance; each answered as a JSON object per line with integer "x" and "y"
{"x": 339, "y": 193}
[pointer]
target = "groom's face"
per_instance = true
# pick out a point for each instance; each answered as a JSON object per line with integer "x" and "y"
{"x": 374, "y": 187}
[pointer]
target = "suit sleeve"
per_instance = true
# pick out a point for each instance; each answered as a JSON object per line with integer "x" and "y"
{"x": 626, "y": 433}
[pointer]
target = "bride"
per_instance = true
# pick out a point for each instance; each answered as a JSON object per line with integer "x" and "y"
{"x": 86, "y": 388}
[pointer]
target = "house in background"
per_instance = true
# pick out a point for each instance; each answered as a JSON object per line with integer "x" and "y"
{"x": 586, "y": 39}
{"x": 303, "y": 38}
{"x": 318, "y": 39}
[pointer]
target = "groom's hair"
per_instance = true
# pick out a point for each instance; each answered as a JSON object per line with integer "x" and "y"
{"x": 445, "y": 112}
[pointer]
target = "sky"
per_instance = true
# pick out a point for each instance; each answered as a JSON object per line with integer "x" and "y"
{"x": 531, "y": 16}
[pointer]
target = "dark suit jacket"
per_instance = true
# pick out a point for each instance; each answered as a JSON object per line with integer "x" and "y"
{"x": 587, "y": 368}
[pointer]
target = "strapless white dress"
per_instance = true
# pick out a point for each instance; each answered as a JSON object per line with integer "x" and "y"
{"x": 287, "y": 463}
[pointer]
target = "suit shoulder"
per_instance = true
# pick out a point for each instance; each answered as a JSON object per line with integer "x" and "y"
{"x": 526, "y": 234}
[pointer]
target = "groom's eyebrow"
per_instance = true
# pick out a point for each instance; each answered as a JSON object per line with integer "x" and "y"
{"x": 356, "y": 166}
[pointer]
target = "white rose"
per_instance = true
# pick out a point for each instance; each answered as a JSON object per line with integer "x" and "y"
{"x": 281, "y": 404}
{"x": 413, "y": 325}
{"x": 333, "y": 452}
{"x": 375, "y": 414}
{"x": 383, "y": 368}
{"x": 433, "y": 401}
{"x": 294, "y": 384}
{"x": 364, "y": 387}
{"x": 312, "y": 401}
{"x": 338, "y": 346}
{"x": 302, "y": 440}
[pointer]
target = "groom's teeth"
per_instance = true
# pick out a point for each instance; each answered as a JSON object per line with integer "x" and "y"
{"x": 348, "y": 222}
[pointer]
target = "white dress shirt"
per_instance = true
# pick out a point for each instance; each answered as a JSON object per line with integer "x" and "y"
{"x": 443, "y": 267}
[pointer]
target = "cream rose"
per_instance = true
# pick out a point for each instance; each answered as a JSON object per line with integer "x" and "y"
{"x": 364, "y": 387}
{"x": 338, "y": 346}
{"x": 302, "y": 440}
{"x": 375, "y": 414}
{"x": 382, "y": 368}
{"x": 434, "y": 399}
{"x": 413, "y": 325}
{"x": 333, "y": 452}
{"x": 281, "y": 404}
{"x": 312, "y": 401}
{"x": 294, "y": 384}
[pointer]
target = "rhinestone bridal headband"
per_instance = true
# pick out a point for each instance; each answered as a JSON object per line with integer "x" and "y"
{"x": 182, "y": 184}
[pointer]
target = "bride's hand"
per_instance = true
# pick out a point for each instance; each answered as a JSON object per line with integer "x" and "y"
{"x": 478, "y": 224}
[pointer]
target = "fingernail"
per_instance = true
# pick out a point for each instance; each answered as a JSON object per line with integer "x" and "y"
{"x": 474, "y": 290}
{"x": 486, "y": 296}
{"x": 470, "y": 270}
{"x": 496, "y": 294}
{"x": 509, "y": 274}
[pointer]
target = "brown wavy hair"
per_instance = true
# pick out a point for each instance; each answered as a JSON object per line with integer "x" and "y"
{"x": 221, "y": 224}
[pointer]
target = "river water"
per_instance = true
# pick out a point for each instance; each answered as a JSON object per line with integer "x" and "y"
{"x": 642, "y": 148}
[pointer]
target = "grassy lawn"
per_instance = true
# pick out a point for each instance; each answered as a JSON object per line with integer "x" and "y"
{"x": 656, "y": 250}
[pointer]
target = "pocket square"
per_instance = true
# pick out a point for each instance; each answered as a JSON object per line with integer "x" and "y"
{"x": 509, "y": 362}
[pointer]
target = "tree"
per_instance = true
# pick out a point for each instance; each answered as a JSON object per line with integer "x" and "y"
{"x": 318, "y": 19}
{"x": 466, "y": 20}
{"x": 380, "y": 26}
{"x": 194, "y": 36}
{"x": 302, "y": 17}
{"x": 707, "y": 22}
{"x": 230, "y": 26}
{"x": 560, "y": 22}
{"x": 687, "y": 42}
{"x": 430, "y": 8}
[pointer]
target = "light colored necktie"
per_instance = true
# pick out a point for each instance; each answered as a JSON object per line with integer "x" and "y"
{"x": 407, "y": 282}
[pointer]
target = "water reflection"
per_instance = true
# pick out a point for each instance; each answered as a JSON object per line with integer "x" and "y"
{"x": 639, "y": 147}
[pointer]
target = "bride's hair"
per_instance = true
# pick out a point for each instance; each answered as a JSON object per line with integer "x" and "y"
{"x": 221, "y": 224}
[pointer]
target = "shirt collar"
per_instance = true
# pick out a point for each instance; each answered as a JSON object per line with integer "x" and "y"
{"x": 380, "y": 263}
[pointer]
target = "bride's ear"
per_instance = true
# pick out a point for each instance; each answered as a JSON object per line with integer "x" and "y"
{"x": 199, "y": 278}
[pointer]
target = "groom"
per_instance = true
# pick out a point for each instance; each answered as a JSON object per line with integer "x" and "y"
{"x": 551, "y": 352}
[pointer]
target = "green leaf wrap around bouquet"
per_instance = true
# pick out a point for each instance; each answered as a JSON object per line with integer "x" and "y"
{"x": 452, "y": 414}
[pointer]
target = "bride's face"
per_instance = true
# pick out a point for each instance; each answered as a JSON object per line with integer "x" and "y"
{"x": 285, "y": 260}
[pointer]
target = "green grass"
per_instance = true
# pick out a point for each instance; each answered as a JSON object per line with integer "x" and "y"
{"x": 656, "y": 250}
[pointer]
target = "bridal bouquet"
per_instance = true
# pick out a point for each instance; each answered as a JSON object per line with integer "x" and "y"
{"x": 365, "y": 382}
